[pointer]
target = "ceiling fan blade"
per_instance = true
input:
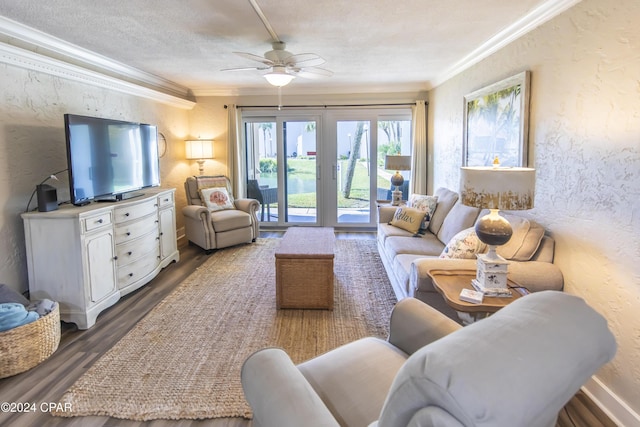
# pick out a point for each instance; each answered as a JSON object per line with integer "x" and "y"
{"x": 245, "y": 69}
{"x": 312, "y": 72}
{"x": 305, "y": 59}
{"x": 253, "y": 57}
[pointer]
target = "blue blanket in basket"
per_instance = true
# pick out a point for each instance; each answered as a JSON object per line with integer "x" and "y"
{"x": 13, "y": 315}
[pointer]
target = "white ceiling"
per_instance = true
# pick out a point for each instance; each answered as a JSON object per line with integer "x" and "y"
{"x": 370, "y": 45}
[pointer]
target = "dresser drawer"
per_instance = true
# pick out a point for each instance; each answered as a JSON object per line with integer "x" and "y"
{"x": 136, "y": 270}
{"x": 129, "y": 252}
{"x": 131, "y": 231}
{"x": 97, "y": 221}
{"x": 133, "y": 212}
{"x": 165, "y": 200}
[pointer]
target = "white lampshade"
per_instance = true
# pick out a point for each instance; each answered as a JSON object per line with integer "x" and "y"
{"x": 398, "y": 163}
{"x": 279, "y": 77}
{"x": 198, "y": 149}
{"x": 497, "y": 188}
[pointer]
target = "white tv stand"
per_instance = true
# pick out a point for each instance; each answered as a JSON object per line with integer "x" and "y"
{"x": 87, "y": 257}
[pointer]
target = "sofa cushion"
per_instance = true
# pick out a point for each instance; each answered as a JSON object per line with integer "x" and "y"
{"x": 427, "y": 245}
{"x": 446, "y": 200}
{"x": 525, "y": 240}
{"x": 230, "y": 219}
{"x": 460, "y": 217}
{"x": 353, "y": 380}
{"x": 426, "y": 204}
{"x": 408, "y": 218}
{"x": 464, "y": 245}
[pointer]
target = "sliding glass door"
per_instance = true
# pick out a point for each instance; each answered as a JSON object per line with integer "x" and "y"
{"x": 282, "y": 169}
{"x": 322, "y": 168}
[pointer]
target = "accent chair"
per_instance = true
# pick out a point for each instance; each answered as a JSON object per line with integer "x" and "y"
{"x": 235, "y": 224}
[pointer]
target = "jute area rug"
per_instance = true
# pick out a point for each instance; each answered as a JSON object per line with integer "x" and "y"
{"x": 183, "y": 360}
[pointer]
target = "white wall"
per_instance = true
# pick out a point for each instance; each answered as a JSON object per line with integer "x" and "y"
{"x": 32, "y": 146}
{"x": 585, "y": 144}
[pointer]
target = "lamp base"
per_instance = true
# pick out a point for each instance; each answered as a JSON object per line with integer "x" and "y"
{"x": 491, "y": 275}
{"x": 396, "y": 197}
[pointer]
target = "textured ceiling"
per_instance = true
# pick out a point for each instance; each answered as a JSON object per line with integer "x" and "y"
{"x": 371, "y": 46}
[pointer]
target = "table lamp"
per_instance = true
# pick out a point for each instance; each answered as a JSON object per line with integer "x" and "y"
{"x": 199, "y": 150}
{"x": 495, "y": 188}
{"x": 399, "y": 163}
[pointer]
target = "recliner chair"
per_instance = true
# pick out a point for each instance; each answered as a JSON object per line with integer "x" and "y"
{"x": 220, "y": 229}
{"x": 518, "y": 367}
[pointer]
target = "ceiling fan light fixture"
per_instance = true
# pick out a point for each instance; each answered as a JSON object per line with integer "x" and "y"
{"x": 279, "y": 77}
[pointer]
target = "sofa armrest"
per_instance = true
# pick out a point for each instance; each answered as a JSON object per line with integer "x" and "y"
{"x": 279, "y": 394}
{"x": 536, "y": 276}
{"x": 415, "y": 324}
{"x": 385, "y": 213}
{"x": 197, "y": 212}
{"x": 250, "y": 206}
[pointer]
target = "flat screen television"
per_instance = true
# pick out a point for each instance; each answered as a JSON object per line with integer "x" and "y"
{"x": 109, "y": 160}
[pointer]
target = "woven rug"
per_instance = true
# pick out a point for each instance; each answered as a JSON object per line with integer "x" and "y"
{"x": 183, "y": 360}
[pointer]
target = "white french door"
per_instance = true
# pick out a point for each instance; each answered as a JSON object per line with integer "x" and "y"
{"x": 322, "y": 168}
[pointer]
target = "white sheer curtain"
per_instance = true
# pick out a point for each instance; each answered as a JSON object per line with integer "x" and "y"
{"x": 235, "y": 152}
{"x": 418, "y": 183}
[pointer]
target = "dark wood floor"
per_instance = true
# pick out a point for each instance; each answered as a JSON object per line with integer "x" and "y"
{"x": 78, "y": 350}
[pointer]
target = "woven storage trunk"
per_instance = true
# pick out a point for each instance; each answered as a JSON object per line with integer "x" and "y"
{"x": 26, "y": 346}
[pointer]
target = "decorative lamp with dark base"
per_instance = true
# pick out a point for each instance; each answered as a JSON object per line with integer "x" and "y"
{"x": 399, "y": 163}
{"x": 495, "y": 188}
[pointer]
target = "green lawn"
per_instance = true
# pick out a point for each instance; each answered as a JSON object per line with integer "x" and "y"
{"x": 359, "y": 197}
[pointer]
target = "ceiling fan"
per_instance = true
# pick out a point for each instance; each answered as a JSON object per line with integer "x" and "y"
{"x": 284, "y": 66}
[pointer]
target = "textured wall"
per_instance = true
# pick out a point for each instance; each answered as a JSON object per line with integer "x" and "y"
{"x": 32, "y": 146}
{"x": 585, "y": 144}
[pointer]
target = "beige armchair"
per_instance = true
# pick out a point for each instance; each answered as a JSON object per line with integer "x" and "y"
{"x": 219, "y": 229}
{"x": 518, "y": 367}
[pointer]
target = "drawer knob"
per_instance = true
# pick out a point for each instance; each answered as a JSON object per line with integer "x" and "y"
{"x": 130, "y": 274}
{"x": 100, "y": 221}
{"x": 129, "y": 253}
{"x": 115, "y": 258}
{"x": 128, "y": 233}
{"x": 127, "y": 214}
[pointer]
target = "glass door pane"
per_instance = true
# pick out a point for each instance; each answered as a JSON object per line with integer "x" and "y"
{"x": 353, "y": 171}
{"x": 300, "y": 171}
{"x": 262, "y": 168}
{"x": 394, "y": 138}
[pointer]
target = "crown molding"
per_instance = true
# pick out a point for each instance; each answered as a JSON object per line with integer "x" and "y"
{"x": 527, "y": 23}
{"x": 29, "y": 48}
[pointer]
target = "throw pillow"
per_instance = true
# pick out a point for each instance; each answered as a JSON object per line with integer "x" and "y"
{"x": 464, "y": 245}
{"x": 524, "y": 241}
{"x": 408, "y": 219}
{"x": 426, "y": 204}
{"x": 216, "y": 198}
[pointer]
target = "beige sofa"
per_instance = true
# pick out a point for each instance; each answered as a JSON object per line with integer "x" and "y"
{"x": 408, "y": 258}
{"x": 518, "y": 367}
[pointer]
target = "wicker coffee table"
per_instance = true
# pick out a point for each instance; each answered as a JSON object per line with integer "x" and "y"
{"x": 304, "y": 268}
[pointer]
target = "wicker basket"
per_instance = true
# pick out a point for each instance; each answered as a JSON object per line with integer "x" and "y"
{"x": 26, "y": 346}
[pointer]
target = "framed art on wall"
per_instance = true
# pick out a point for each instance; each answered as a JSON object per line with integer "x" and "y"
{"x": 496, "y": 123}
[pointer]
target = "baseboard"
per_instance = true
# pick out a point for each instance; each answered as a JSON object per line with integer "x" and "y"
{"x": 615, "y": 408}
